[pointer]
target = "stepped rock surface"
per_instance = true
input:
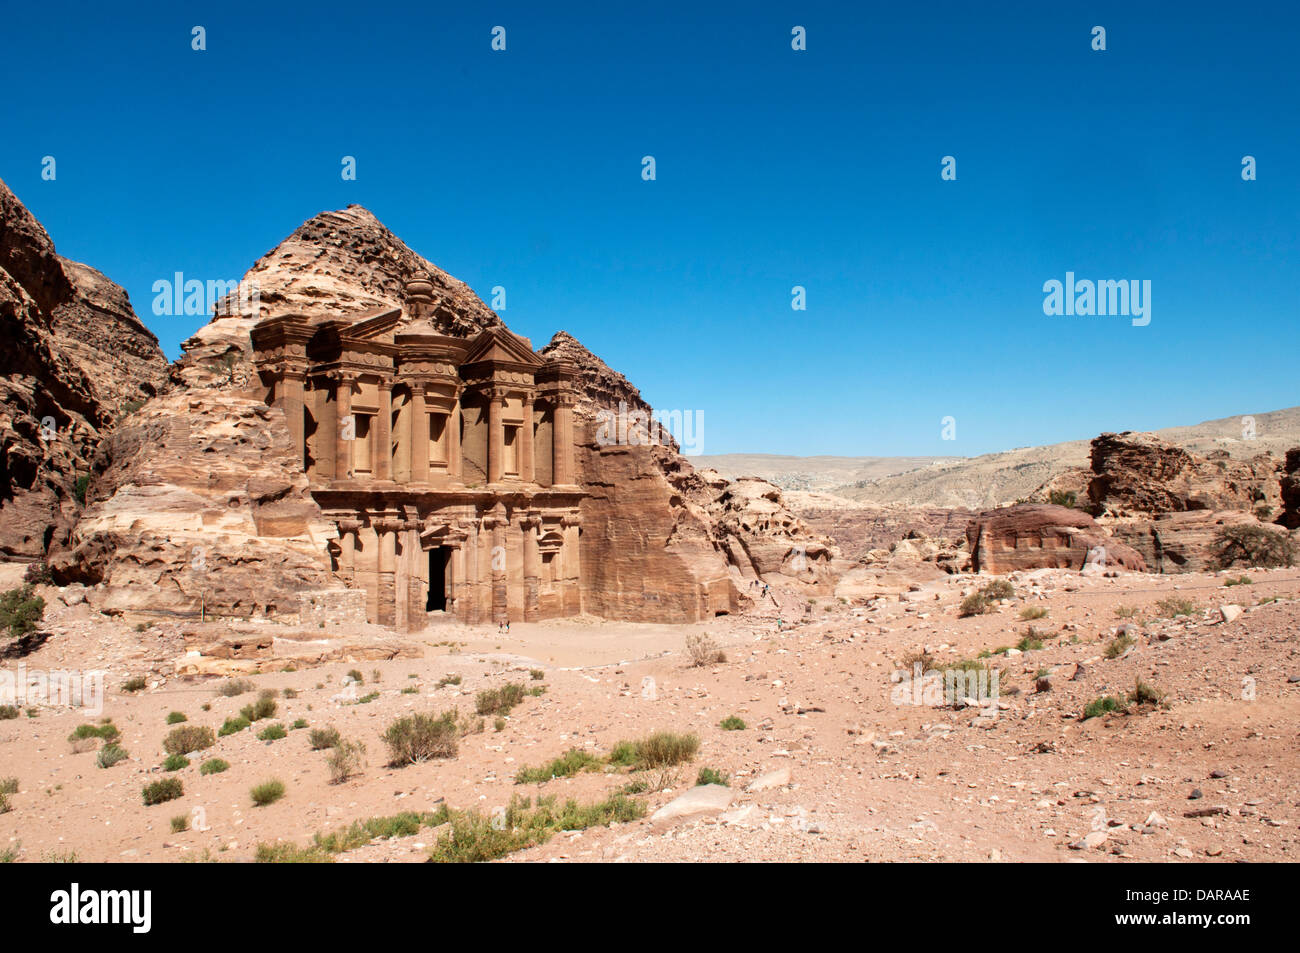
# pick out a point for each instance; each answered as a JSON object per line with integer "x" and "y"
{"x": 74, "y": 354}
{"x": 1042, "y": 536}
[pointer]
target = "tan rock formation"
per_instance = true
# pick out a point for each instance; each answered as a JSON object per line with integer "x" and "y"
{"x": 196, "y": 505}
{"x": 75, "y": 353}
{"x": 663, "y": 541}
{"x": 1169, "y": 503}
{"x": 211, "y": 470}
{"x": 1042, "y": 536}
{"x": 1141, "y": 473}
{"x": 1290, "y": 490}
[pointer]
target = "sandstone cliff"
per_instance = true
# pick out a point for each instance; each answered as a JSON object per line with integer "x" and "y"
{"x": 75, "y": 357}
{"x": 196, "y": 501}
{"x": 1043, "y": 536}
{"x": 1170, "y": 503}
{"x": 663, "y": 541}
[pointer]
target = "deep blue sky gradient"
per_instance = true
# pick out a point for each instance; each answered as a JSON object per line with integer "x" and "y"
{"x": 775, "y": 168}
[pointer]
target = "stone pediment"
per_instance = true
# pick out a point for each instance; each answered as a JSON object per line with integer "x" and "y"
{"x": 379, "y": 327}
{"x": 498, "y": 346}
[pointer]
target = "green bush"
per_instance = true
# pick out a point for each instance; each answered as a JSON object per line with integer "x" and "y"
{"x": 188, "y": 739}
{"x": 21, "y": 610}
{"x": 421, "y": 737}
{"x": 499, "y": 701}
{"x": 1144, "y": 694}
{"x": 176, "y": 717}
{"x": 473, "y": 838}
{"x": 268, "y": 792}
{"x": 137, "y": 683}
{"x": 710, "y": 776}
{"x": 213, "y": 766}
{"x": 174, "y": 762}
{"x": 1252, "y": 546}
{"x": 168, "y": 789}
{"x": 323, "y": 738}
{"x": 1100, "y": 706}
{"x": 235, "y": 687}
{"x": 272, "y": 733}
{"x": 8, "y": 712}
{"x": 663, "y": 749}
{"x": 264, "y": 707}
{"x": 567, "y": 765}
{"x": 110, "y": 755}
{"x": 232, "y": 725}
{"x": 732, "y": 723}
{"x": 1119, "y": 645}
{"x": 345, "y": 760}
{"x": 180, "y": 823}
{"x": 282, "y": 853}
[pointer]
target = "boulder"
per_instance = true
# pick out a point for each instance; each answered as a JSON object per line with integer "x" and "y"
{"x": 703, "y": 799}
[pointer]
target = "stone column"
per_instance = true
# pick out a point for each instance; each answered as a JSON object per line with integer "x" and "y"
{"x": 417, "y": 571}
{"x": 571, "y": 590}
{"x": 343, "y": 410}
{"x": 467, "y": 606}
{"x": 386, "y": 588}
{"x": 419, "y": 435}
{"x": 532, "y": 569}
{"x": 526, "y": 438}
{"x": 562, "y": 441}
{"x": 454, "y": 463}
{"x": 500, "y": 566}
{"x": 496, "y": 435}
{"x": 294, "y": 413}
{"x": 382, "y": 444}
{"x": 348, "y": 549}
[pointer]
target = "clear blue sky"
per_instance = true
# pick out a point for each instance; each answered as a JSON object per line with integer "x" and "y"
{"x": 775, "y": 168}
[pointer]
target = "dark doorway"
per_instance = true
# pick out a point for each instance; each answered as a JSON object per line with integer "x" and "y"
{"x": 438, "y": 557}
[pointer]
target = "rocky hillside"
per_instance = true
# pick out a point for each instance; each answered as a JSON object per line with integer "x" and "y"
{"x": 993, "y": 479}
{"x": 76, "y": 357}
{"x": 664, "y": 541}
{"x": 202, "y": 474}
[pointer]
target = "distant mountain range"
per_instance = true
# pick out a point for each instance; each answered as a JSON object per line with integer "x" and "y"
{"x": 990, "y": 479}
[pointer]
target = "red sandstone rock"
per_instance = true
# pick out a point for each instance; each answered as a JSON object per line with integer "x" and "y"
{"x": 74, "y": 354}
{"x": 1042, "y": 536}
{"x": 1140, "y": 473}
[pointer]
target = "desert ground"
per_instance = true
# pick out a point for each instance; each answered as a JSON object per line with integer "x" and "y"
{"x": 837, "y": 760}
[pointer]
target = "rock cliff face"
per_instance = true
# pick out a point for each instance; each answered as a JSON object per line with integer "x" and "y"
{"x": 665, "y": 542}
{"x": 196, "y": 504}
{"x": 1169, "y": 503}
{"x": 1042, "y": 536}
{"x": 1140, "y": 473}
{"x": 1290, "y": 490}
{"x": 75, "y": 357}
{"x": 197, "y": 501}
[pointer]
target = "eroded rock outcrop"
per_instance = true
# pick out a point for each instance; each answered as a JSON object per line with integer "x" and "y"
{"x": 75, "y": 356}
{"x": 205, "y": 472}
{"x": 663, "y": 541}
{"x": 1138, "y": 473}
{"x": 1171, "y": 504}
{"x": 1290, "y": 490}
{"x": 197, "y": 504}
{"x": 1043, "y": 536}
